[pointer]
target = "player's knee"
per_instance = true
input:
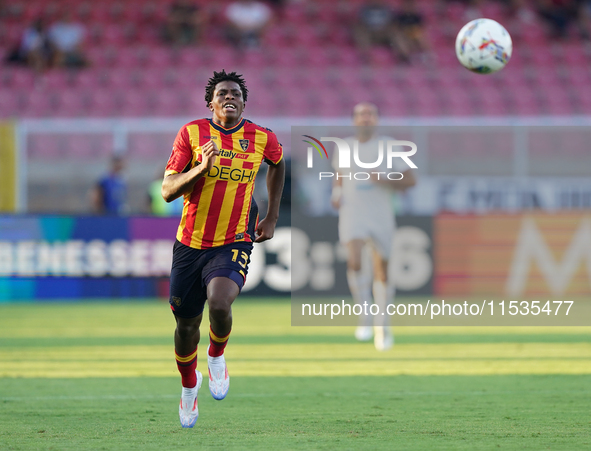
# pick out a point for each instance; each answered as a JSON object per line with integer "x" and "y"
{"x": 187, "y": 330}
{"x": 220, "y": 296}
{"x": 354, "y": 264}
{"x": 220, "y": 307}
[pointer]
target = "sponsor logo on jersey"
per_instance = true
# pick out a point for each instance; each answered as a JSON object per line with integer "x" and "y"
{"x": 236, "y": 175}
{"x": 230, "y": 154}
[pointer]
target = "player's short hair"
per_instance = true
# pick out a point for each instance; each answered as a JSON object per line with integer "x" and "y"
{"x": 218, "y": 77}
{"x": 373, "y": 105}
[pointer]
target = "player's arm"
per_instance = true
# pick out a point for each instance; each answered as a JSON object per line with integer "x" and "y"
{"x": 275, "y": 181}
{"x": 175, "y": 185}
{"x": 98, "y": 198}
{"x": 407, "y": 181}
{"x": 337, "y": 192}
{"x": 337, "y": 183}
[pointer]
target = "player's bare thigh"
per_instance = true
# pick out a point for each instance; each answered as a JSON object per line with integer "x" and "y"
{"x": 221, "y": 292}
{"x": 380, "y": 266}
{"x": 355, "y": 254}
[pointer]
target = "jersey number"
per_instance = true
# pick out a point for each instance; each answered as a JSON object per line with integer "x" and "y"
{"x": 243, "y": 256}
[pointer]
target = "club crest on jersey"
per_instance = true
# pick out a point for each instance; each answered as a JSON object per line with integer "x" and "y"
{"x": 244, "y": 143}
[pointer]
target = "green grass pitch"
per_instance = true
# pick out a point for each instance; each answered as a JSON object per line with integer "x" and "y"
{"x": 101, "y": 375}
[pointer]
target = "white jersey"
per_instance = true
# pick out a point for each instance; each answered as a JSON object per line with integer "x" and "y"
{"x": 366, "y": 205}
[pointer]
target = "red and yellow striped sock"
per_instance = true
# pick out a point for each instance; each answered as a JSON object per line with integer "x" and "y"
{"x": 187, "y": 364}
{"x": 217, "y": 344}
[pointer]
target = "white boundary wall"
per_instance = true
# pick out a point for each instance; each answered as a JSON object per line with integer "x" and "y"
{"x": 121, "y": 128}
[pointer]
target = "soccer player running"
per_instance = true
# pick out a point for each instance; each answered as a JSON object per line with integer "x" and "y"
{"x": 366, "y": 215}
{"x": 213, "y": 164}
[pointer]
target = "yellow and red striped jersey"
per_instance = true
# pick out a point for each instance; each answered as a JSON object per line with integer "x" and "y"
{"x": 217, "y": 211}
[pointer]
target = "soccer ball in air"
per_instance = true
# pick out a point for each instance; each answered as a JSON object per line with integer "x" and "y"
{"x": 483, "y": 46}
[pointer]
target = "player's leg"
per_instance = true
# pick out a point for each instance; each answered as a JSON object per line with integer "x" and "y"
{"x": 187, "y": 300}
{"x": 186, "y": 334}
{"x": 186, "y": 338}
{"x": 221, "y": 293}
{"x": 360, "y": 286}
{"x": 383, "y": 294}
{"x": 224, "y": 275}
{"x": 382, "y": 289}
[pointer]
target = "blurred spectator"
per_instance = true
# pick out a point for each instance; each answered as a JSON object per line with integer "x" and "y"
{"x": 410, "y": 36}
{"x": 109, "y": 195}
{"x": 247, "y": 20}
{"x": 158, "y": 206}
{"x": 67, "y": 37}
{"x": 584, "y": 18}
{"x": 375, "y": 26}
{"x": 184, "y": 24}
{"x": 35, "y": 49}
{"x": 520, "y": 10}
{"x": 473, "y": 10}
{"x": 558, "y": 15}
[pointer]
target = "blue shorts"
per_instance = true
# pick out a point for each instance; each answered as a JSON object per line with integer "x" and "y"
{"x": 193, "y": 269}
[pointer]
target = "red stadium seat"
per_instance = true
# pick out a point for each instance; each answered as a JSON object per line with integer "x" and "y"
{"x": 57, "y": 80}
{"x": 120, "y": 78}
{"x": 19, "y": 78}
{"x": 578, "y": 76}
{"x": 574, "y": 55}
{"x": 159, "y": 57}
{"x": 40, "y": 104}
{"x": 492, "y": 10}
{"x": 74, "y": 103}
{"x": 101, "y": 56}
{"x": 104, "y": 102}
{"x": 456, "y": 101}
{"x": 137, "y": 103}
{"x": 556, "y": 101}
{"x": 524, "y": 102}
{"x": 382, "y": 57}
{"x": 127, "y": 57}
{"x": 307, "y": 49}
{"x": 583, "y": 100}
{"x": 92, "y": 78}
{"x": 12, "y": 103}
{"x": 168, "y": 102}
{"x": 491, "y": 103}
{"x": 114, "y": 34}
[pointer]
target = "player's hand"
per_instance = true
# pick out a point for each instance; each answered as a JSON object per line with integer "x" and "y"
{"x": 265, "y": 230}
{"x": 335, "y": 198}
{"x": 209, "y": 152}
{"x": 335, "y": 202}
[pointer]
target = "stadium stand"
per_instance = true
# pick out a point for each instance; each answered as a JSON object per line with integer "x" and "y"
{"x": 308, "y": 45}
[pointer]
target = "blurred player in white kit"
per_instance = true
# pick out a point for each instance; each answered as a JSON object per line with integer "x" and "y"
{"x": 366, "y": 217}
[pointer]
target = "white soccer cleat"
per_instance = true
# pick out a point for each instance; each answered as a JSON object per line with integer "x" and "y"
{"x": 364, "y": 333}
{"x": 188, "y": 411}
{"x": 219, "y": 379}
{"x": 383, "y": 338}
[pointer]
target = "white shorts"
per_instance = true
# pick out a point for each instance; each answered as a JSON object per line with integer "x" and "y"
{"x": 377, "y": 228}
